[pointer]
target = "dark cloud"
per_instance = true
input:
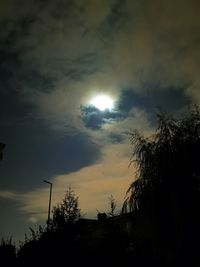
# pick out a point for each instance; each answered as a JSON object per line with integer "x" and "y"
{"x": 14, "y": 112}
{"x": 33, "y": 153}
{"x": 153, "y": 98}
{"x": 39, "y": 45}
{"x": 94, "y": 118}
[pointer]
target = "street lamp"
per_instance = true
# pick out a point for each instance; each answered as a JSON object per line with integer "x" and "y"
{"x": 49, "y": 210}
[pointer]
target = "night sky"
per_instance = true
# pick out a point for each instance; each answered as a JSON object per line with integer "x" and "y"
{"x": 55, "y": 56}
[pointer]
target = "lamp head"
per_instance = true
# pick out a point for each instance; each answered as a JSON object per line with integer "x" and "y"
{"x": 47, "y": 182}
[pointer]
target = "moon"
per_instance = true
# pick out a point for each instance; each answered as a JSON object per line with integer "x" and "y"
{"x": 102, "y": 102}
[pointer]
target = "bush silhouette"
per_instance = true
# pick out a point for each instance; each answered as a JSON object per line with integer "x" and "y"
{"x": 7, "y": 252}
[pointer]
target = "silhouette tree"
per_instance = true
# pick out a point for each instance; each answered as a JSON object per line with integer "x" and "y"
{"x": 166, "y": 188}
{"x": 169, "y": 158}
{"x": 67, "y": 212}
{"x": 113, "y": 206}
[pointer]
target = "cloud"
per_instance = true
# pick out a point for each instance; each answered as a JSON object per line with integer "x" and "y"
{"x": 149, "y": 46}
{"x": 108, "y": 174}
{"x": 73, "y": 49}
{"x": 93, "y": 184}
{"x": 10, "y": 195}
{"x": 94, "y": 118}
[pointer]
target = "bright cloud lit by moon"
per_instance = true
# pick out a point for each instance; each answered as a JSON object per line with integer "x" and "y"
{"x": 102, "y": 102}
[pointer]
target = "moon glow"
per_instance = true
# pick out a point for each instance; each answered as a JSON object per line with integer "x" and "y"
{"x": 102, "y": 102}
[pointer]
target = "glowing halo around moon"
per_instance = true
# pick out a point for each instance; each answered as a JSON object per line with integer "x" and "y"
{"x": 102, "y": 102}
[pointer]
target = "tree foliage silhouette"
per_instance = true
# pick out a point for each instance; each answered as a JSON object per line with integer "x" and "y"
{"x": 168, "y": 159}
{"x": 166, "y": 190}
{"x": 67, "y": 211}
{"x": 113, "y": 206}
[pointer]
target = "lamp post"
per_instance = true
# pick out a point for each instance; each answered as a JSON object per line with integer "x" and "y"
{"x": 49, "y": 210}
